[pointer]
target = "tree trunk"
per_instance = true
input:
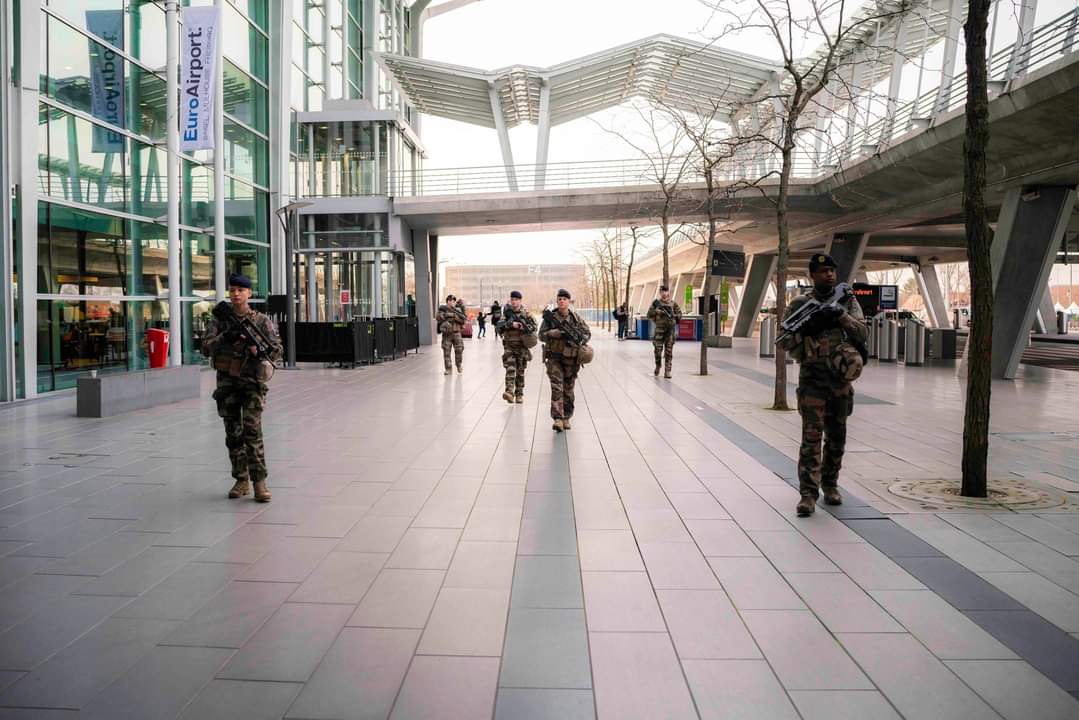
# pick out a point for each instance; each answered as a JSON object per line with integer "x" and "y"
{"x": 706, "y": 290}
{"x": 629, "y": 268}
{"x": 980, "y": 341}
{"x": 665, "y": 228}
{"x": 779, "y": 401}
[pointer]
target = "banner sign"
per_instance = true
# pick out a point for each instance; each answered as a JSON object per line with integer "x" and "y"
{"x": 106, "y": 79}
{"x": 724, "y": 299}
{"x": 728, "y": 263}
{"x": 689, "y": 296}
{"x": 198, "y": 73}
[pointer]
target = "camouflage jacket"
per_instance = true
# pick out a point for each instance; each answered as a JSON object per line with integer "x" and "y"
{"x": 232, "y": 358}
{"x": 511, "y": 335}
{"x": 665, "y": 315}
{"x": 450, "y": 320}
{"x": 818, "y": 348}
{"x": 558, "y": 346}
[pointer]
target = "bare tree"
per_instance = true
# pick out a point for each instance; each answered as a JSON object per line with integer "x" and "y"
{"x": 980, "y": 342}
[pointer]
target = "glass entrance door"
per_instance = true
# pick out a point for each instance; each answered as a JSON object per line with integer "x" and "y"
{"x": 342, "y": 285}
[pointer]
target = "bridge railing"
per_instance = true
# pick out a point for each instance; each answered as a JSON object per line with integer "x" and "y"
{"x": 759, "y": 163}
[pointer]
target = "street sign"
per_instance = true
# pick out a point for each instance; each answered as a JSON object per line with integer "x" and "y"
{"x": 728, "y": 263}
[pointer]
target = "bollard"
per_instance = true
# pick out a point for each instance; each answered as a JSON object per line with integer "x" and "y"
{"x": 768, "y": 336}
{"x": 914, "y": 345}
{"x": 874, "y": 335}
{"x": 889, "y": 339}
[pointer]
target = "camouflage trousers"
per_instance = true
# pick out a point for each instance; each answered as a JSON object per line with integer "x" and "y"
{"x": 562, "y": 372}
{"x": 454, "y": 342}
{"x": 515, "y": 360}
{"x": 240, "y": 406}
{"x": 824, "y": 414}
{"x": 663, "y": 346}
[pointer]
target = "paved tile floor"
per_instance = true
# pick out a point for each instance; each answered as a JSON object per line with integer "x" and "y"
{"x": 432, "y": 552}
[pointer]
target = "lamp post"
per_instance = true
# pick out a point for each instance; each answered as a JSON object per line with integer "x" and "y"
{"x": 286, "y": 215}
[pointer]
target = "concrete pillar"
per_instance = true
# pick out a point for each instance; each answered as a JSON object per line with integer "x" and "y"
{"x": 1031, "y": 224}
{"x": 1047, "y": 316}
{"x": 932, "y": 296}
{"x": 425, "y": 305}
{"x": 543, "y": 135}
{"x": 759, "y": 274}
{"x": 847, "y": 250}
{"x": 678, "y": 289}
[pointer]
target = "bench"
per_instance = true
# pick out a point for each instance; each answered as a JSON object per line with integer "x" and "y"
{"x": 107, "y": 395}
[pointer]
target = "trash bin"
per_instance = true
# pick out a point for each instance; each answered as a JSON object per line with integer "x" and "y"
{"x": 1062, "y": 323}
{"x": 157, "y": 342}
{"x": 914, "y": 343}
{"x": 888, "y": 339}
{"x": 768, "y": 337}
{"x": 644, "y": 328}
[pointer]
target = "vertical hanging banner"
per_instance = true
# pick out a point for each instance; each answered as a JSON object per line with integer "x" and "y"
{"x": 198, "y": 73}
{"x": 106, "y": 78}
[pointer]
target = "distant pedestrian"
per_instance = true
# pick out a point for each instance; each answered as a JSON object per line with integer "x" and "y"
{"x": 482, "y": 319}
{"x": 621, "y": 315}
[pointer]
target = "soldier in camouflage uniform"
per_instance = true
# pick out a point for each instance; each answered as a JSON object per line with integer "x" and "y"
{"x": 450, "y": 320}
{"x": 241, "y": 389}
{"x": 830, "y": 361}
{"x": 518, "y": 330}
{"x": 665, "y": 314}
{"x": 563, "y": 360}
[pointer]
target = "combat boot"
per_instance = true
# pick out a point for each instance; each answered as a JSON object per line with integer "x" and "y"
{"x": 667, "y": 372}
{"x": 565, "y": 424}
{"x": 262, "y": 493}
{"x": 241, "y": 488}
{"x": 656, "y": 371}
{"x": 448, "y": 371}
{"x": 832, "y": 496}
{"x": 519, "y": 399}
{"x": 459, "y": 369}
{"x": 557, "y": 425}
{"x": 806, "y": 506}
{"x": 507, "y": 396}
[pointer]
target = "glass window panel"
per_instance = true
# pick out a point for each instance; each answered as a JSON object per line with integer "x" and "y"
{"x": 148, "y": 175}
{"x": 355, "y": 36}
{"x": 337, "y": 82}
{"x": 356, "y": 8}
{"x": 246, "y": 211}
{"x": 314, "y": 63}
{"x": 84, "y": 74}
{"x": 244, "y": 45}
{"x": 197, "y": 197}
{"x": 146, "y": 32}
{"x": 146, "y": 103}
{"x": 314, "y": 24}
{"x": 297, "y": 89}
{"x": 84, "y": 162}
{"x": 256, "y": 10}
{"x": 195, "y": 323}
{"x": 104, "y": 18}
{"x": 252, "y": 261}
{"x": 245, "y": 99}
{"x": 336, "y": 47}
{"x": 197, "y": 263}
{"x": 246, "y": 155}
{"x": 299, "y": 45}
{"x": 336, "y": 13}
{"x": 314, "y": 97}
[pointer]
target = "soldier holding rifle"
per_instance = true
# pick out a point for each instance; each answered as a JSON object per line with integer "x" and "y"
{"x": 451, "y": 319}
{"x": 565, "y": 335}
{"x": 518, "y": 330}
{"x": 665, "y": 314}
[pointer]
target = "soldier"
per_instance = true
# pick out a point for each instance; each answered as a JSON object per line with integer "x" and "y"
{"x": 241, "y": 385}
{"x": 450, "y": 321}
{"x": 829, "y": 349}
{"x": 518, "y": 330}
{"x": 563, "y": 358}
{"x": 666, "y": 314}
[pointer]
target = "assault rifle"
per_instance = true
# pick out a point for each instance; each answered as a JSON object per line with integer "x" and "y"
{"x": 244, "y": 328}
{"x": 666, "y": 310}
{"x": 813, "y": 312}
{"x": 510, "y": 316}
{"x": 571, "y": 335}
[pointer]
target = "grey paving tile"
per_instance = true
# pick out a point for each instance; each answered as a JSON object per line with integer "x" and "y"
{"x": 205, "y": 531}
{"x": 609, "y": 550}
{"x": 1064, "y": 542}
{"x": 788, "y": 637}
{"x": 547, "y": 581}
{"x": 482, "y": 565}
{"x": 466, "y": 621}
{"x": 621, "y": 602}
{"x": 915, "y": 682}
{"x": 741, "y": 689}
{"x": 329, "y": 521}
{"x": 704, "y": 625}
{"x": 792, "y": 552}
{"x": 251, "y": 700}
{"x": 231, "y": 616}
{"x": 722, "y": 538}
{"x": 840, "y": 604}
{"x": 753, "y": 584}
{"x": 399, "y": 599}
{"x": 20, "y": 600}
{"x": 361, "y": 494}
{"x": 1052, "y": 602}
{"x": 969, "y": 552}
{"x": 8, "y": 677}
{"x": 1061, "y": 569}
{"x": 637, "y": 675}
{"x": 290, "y": 561}
{"x": 183, "y": 592}
{"x": 548, "y": 504}
{"x": 246, "y": 544}
{"x": 71, "y": 538}
{"x": 448, "y": 688}
{"x": 425, "y": 549}
{"x": 554, "y": 535}
{"x": 493, "y": 524}
{"x": 375, "y": 534}
{"x": 54, "y": 625}
{"x": 843, "y": 705}
{"x": 697, "y": 506}
{"x": 755, "y": 515}
{"x": 290, "y": 645}
{"x": 135, "y": 576}
{"x": 545, "y": 704}
{"x": 74, "y": 675}
{"x": 546, "y": 648}
{"x": 893, "y": 540}
{"x": 1015, "y": 689}
{"x": 948, "y": 633}
{"x": 341, "y": 577}
{"x": 869, "y": 567}
{"x": 159, "y": 686}
{"x": 359, "y": 677}
{"x": 678, "y": 565}
{"x": 404, "y": 503}
{"x": 494, "y": 495}
{"x": 100, "y": 557}
{"x": 983, "y": 527}
{"x": 959, "y": 586}
{"x": 1050, "y": 650}
{"x": 657, "y": 525}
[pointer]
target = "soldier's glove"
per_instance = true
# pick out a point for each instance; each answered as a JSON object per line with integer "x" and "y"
{"x": 554, "y": 334}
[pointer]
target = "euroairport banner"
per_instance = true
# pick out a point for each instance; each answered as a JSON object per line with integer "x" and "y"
{"x": 198, "y": 72}
{"x": 106, "y": 79}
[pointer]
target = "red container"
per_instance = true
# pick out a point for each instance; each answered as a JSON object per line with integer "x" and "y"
{"x": 157, "y": 342}
{"x": 687, "y": 329}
